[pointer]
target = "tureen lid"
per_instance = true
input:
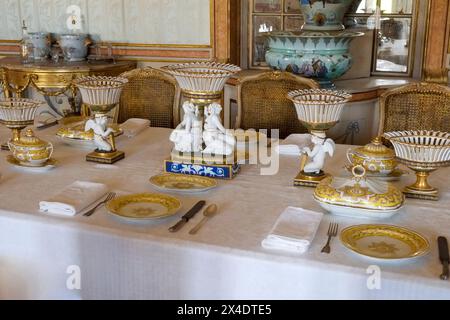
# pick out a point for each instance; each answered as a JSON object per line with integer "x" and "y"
{"x": 376, "y": 149}
{"x": 30, "y": 140}
{"x": 359, "y": 192}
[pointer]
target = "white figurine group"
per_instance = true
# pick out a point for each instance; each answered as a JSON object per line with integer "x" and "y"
{"x": 190, "y": 135}
{"x": 101, "y": 132}
{"x": 317, "y": 155}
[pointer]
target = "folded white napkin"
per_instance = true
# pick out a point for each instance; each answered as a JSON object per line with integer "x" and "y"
{"x": 293, "y": 144}
{"x": 294, "y": 231}
{"x": 132, "y": 127}
{"x": 74, "y": 198}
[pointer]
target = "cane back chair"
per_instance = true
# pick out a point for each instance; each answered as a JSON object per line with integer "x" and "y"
{"x": 150, "y": 94}
{"x": 263, "y": 102}
{"x": 417, "y": 106}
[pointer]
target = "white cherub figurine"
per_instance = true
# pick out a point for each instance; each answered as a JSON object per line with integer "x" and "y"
{"x": 322, "y": 146}
{"x": 187, "y": 137}
{"x": 217, "y": 139}
{"x": 101, "y": 132}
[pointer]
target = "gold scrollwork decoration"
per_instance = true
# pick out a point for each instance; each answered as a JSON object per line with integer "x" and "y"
{"x": 31, "y": 80}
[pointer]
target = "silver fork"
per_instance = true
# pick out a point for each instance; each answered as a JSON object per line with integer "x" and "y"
{"x": 332, "y": 232}
{"x": 110, "y": 196}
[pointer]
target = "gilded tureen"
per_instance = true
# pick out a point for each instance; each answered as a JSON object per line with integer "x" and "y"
{"x": 376, "y": 158}
{"x": 359, "y": 197}
{"x": 30, "y": 150}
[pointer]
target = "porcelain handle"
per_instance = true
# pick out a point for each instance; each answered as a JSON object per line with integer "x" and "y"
{"x": 350, "y": 154}
{"x": 51, "y": 149}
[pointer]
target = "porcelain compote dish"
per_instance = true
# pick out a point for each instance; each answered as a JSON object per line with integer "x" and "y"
{"x": 318, "y": 110}
{"x": 101, "y": 95}
{"x": 423, "y": 152}
{"x": 17, "y": 114}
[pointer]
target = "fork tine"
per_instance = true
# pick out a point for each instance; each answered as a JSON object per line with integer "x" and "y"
{"x": 330, "y": 229}
{"x": 336, "y": 228}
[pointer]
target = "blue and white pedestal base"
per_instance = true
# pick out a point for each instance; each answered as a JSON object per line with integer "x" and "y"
{"x": 205, "y": 165}
{"x": 225, "y": 171}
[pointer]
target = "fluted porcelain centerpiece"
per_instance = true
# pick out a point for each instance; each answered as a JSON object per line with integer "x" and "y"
{"x": 202, "y": 130}
{"x": 17, "y": 114}
{"x": 201, "y": 142}
{"x": 101, "y": 95}
{"x": 202, "y": 82}
{"x": 423, "y": 152}
{"x": 318, "y": 110}
{"x": 321, "y": 49}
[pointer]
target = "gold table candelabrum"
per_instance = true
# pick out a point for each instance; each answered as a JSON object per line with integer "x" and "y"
{"x": 17, "y": 114}
{"x": 202, "y": 145}
{"x": 318, "y": 110}
{"x": 423, "y": 152}
{"x": 102, "y": 95}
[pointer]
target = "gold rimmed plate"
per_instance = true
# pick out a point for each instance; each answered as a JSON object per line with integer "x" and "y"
{"x": 144, "y": 206}
{"x": 50, "y": 164}
{"x": 385, "y": 242}
{"x": 183, "y": 183}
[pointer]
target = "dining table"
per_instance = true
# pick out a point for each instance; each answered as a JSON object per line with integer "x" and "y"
{"x": 40, "y": 253}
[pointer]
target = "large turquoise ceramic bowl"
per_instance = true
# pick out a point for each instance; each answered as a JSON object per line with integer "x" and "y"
{"x": 322, "y": 56}
{"x": 324, "y": 14}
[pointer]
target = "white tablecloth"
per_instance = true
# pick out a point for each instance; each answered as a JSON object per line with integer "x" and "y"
{"x": 224, "y": 261}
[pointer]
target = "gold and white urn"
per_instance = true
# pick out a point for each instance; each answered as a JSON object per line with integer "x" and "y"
{"x": 17, "y": 114}
{"x": 318, "y": 110}
{"x": 202, "y": 145}
{"x": 102, "y": 95}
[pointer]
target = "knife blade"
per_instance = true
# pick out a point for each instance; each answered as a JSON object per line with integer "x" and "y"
{"x": 444, "y": 257}
{"x": 188, "y": 216}
{"x": 47, "y": 125}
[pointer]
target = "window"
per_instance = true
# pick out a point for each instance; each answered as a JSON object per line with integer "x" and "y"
{"x": 394, "y": 20}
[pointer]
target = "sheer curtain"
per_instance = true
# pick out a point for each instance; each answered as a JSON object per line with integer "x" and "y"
{"x": 401, "y": 5}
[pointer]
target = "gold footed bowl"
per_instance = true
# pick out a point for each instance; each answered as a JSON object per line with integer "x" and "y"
{"x": 17, "y": 114}
{"x": 421, "y": 189}
{"x": 423, "y": 152}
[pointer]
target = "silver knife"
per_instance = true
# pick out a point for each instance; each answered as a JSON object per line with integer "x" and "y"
{"x": 188, "y": 216}
{"x": 444, "y": 257}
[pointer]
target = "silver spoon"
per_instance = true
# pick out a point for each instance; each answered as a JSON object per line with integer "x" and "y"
{"x": 209, "y": 212}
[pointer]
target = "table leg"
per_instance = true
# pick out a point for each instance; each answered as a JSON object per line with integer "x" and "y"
{"x": 72, "y": 101}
